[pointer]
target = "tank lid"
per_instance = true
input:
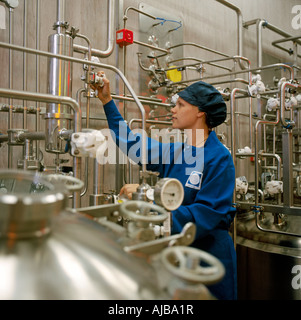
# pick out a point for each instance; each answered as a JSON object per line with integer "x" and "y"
{"x": 28, "y": 204}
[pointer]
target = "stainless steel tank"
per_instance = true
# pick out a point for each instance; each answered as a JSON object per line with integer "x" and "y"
{"x": 58, "y": 117}
{"x": 63, "y": 257}
{"x": 267, "y": 262}
{"x": 48, "y": 251}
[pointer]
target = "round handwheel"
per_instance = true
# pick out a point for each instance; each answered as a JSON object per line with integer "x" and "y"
{"x": 185, "y": 262}
{"x": 72, "y": 184}
{"x": 143, "y": 212}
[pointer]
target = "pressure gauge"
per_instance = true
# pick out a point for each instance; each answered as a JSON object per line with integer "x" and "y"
{"x": 169, "y": 193}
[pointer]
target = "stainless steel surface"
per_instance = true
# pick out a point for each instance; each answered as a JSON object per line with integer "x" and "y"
{"x": 266, "y": 260}
{"x": 59, "y": 84}
{"x": 28, "y": 205}
{"x": 80, "y": 260}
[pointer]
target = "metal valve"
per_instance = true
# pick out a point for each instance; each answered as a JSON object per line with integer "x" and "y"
{"x": 94, "y": 78}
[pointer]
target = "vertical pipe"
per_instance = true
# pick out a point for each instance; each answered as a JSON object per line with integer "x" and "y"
{"x": 10, "y": 85}
{"x": 233, "y": 149}
{"x": 256, "y": 148}
{"x": 239, "y": 28}
{"x": 295, "y": 57}
{"x": 37, "y": 124}
{"x": 25, "y": 63}
{"x": 287, "y": 147}
{"x": 259, "y": 25}
{"x": 111, "y": 35}
{"x": 61, "y": 11}
{"x": 251, "y": 123}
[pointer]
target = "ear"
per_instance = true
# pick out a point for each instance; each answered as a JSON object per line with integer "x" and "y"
{"x": 200, "y": 114}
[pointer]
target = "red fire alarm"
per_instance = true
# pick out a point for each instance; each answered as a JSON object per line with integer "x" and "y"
{"x": 124, "y": 37}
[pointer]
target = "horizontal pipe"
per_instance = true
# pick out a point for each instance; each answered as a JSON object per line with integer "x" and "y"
{"x": 150, "y": 46}
{"x": 195, "y": 64}
{"x": 32, "y": 136}
{"x": 149, "y": 102}
{"x": 3, "y": 138}
{"x": 277, "y": 65}
{"x": 198, "y": 46}
{"x": 286, "y": 39}
{"x": 47, "y": 98}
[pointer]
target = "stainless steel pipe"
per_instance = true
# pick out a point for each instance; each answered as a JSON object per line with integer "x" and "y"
{"x": 110, "y": 36}
{"x": 239, "y": 28}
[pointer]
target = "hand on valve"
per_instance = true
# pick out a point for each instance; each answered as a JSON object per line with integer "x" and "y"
{"x": 102, "y": 90}
{"x": 128, "y": 190}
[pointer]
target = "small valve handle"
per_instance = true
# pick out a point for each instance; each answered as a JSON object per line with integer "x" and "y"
{"x": 99, "y": 79}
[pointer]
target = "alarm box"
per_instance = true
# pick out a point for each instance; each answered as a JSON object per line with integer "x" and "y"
{"x": 124, "y": 37}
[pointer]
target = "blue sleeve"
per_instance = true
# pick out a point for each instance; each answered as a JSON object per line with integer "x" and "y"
{"x": 130, "y": 143}
{"x": 213, "y": 202}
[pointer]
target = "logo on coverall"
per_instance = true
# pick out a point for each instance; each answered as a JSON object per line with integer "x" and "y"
{"x": 195, "y": 180}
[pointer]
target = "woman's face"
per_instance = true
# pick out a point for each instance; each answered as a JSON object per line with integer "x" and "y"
{"x": 185, "y": 115}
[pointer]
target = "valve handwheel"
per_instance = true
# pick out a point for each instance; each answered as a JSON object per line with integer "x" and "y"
{"x": 72, "y": 184}
{"x": 185, "y": 262}
{"x": 143, "y": 212}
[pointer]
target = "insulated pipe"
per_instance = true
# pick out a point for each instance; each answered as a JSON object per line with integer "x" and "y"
{"x": 239, "y": 28}
{"x": 99, "y": 65}
{"x": 111, "y": 36}
{"x": 33, "y": 96}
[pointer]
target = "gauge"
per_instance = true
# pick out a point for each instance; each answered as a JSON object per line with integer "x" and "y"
{"x": 169, "y": 193}
{"x": 150, "y": 194}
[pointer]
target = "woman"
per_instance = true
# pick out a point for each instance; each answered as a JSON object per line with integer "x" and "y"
{"x": 202, "y": 164}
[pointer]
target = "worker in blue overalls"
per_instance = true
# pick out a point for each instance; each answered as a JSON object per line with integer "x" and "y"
{"x": 202, "y": 164}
